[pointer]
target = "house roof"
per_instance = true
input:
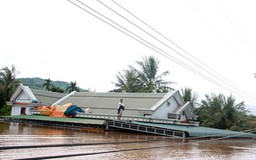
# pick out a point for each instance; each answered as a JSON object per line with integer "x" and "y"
{"x": 187, "y": 108}
{"x": 35, "y": 95}
{"x": 197, "y": 131}
{"x": 105, "y": 103}
{"x": 175, "y": 94}
{"x": 54, "y": 119}
{"x": 23, "y": 90}
{"x": 142, "y": 101}
{"x": 47, "y": 97}
{"x": 23, "y": 94}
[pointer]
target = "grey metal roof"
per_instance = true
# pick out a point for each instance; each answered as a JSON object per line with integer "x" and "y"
{"x": 20, "y": 89}
{"x": 176, "y": 95}
{"x": 197, "y": 131}
{"x": 108, "y": 102}
{"x": 187, "y": 108}
{"x": 46, "y": 97}
{"x": 56, "y": 119}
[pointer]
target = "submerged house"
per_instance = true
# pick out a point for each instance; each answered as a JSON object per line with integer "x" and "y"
{"x": 152, "y": 105}
{"x": 155, "y": 105}
{"x": 156, "y": 113}
{"x": 25, "y": 99}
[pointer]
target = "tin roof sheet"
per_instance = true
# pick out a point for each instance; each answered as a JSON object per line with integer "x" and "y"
{"x": 110, "y": 100}
{"x": 46, "y": 97}
{"x": 56, "y": 119}
{"x": 198, "y": 131}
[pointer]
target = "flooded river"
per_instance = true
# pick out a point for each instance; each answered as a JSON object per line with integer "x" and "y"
{"x": 149, "y": 148}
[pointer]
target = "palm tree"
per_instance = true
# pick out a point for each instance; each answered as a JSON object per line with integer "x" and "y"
{"x": 217, "y": 111}
{"x": 57, "y": 89}
{"x": 2, "y": 97}
{"x": 72, "y": 87}
{"x": 188, "y": 96}
{"x": 127, "y": 82}
{"x": 47, "y": 84}
{"x": 8, "y": 81}
{"x": 149, "y": 78}
{"x": 144, "y": 79}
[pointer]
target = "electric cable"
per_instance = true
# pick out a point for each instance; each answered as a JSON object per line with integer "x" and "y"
{"x": 225, "y": 40}
{"x": 236, "y": 26}
{"x": 72, "y": 145}
{"x": 96, "y": 153}
{"x": 180, "y": 63}
{"x": 155, "y": 48}
{"x": 226, "y": 81}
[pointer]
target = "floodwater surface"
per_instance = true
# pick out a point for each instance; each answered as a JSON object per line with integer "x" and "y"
{"x": 153, "y": 147}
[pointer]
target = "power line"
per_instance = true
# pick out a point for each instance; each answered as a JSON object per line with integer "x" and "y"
{"x": 158, "y": 39}
{"x": 73, "y": 144}
{"x": 166, "y": 39}
{"x": 96, "y": 153}
{"x": 236, "y": 26}
{"x": 227, "y": 82}
{"x": 149, "y": 45}
{"x": 225, "y": 40}
{"x": 144, "y": 42}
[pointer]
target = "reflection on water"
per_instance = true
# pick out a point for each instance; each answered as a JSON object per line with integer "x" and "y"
{"x": 16, "y": 135}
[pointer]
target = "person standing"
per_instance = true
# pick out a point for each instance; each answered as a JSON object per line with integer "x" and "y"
{"x": 120, "y": 109}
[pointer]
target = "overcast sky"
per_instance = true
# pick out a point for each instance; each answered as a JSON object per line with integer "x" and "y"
{"x": 214, "y": 50}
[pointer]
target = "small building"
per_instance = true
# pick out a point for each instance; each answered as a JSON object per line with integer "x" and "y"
{"x": 152, "y": 105}
{"x": 25, "y": 99}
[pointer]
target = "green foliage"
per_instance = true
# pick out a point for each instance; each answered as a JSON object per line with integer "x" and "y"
{"x": 145, "y": 79}
{"x": 2, "y": 97}
{"x": 50, "y": 87}
{"x": 38, "y": 83}
{"x": 8, "y": 81}
{"x": 5, "y": 110}
{"x": 127, "y": 82}
{"x": 217, "y": 111}
{"x": 47, "y": 85}
{"x": 188, "y": 96}
{"x": 149, "y": 78}
{"x": 57, "y": 89}
{"x": 72, "y": 87}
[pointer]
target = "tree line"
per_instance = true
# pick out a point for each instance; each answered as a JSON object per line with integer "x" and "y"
{"x": 50, "y": 87}
{"x": 8, "y": 84}
{"x": 215, "y": 111}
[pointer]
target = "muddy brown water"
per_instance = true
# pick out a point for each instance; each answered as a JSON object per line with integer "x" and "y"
{"x": 13, "y": 134}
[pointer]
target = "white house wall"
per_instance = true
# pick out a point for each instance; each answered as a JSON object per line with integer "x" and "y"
{"x": 189, "y": 111}
{"x": 167, "y": 107}
{"x": 16, "y": 110}
{"x": 21, "y": 97}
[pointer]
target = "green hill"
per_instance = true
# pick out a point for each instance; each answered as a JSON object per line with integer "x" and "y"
{"x": 37, "y": 83}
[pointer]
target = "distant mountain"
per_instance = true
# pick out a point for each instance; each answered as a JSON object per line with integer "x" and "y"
{"x": 37, "y": 83}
